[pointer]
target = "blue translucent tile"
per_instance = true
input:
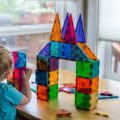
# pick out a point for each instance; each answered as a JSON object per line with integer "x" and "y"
{"x": 42, "y": 77}
{"x": 21, "y": 61}
{"x": 80, "y": 35}
{"x": 67, "y": 52}
{"x": 65, "y": 25}
{"x": 73, "y": 52}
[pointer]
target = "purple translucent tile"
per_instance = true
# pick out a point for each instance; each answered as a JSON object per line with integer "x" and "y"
{"x": 45, "y": 50}
{"x": 54, "y": 63}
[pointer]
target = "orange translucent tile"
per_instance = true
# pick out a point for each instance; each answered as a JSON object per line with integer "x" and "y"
{"x": 42, "y": 92}
{"x": 87, "y": 83}
{"x": 56, "y": 34}
{"x": 87, "y": 86}
{"x": 95, "y": 82}
{"x": 88, "y": 51}
{"x": 53, "y": 77}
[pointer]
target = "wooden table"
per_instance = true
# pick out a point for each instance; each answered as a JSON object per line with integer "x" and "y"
{"x": 38, "y": 109}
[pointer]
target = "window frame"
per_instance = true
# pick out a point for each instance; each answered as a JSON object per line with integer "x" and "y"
{"x": 25, "y": 29}
{"x": 108, "y": 73}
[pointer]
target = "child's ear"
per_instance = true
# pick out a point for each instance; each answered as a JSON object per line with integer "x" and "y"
{"x": 9, "y": 75}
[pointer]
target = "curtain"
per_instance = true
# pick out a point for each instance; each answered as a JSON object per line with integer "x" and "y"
{"x": 109, "y": 20}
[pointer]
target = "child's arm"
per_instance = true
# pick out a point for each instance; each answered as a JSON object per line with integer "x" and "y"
{"x": 26, "y": 87}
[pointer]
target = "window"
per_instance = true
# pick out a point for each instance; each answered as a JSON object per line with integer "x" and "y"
{"x": 26, "y": 12}
{"x": 30, "y": 43}
{"x": 25, "y": 25}
{"x": 112, "y": 62}
{"x": 109, "y": 27}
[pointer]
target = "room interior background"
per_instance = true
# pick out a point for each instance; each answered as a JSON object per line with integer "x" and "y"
{"x": 26, "y": 26}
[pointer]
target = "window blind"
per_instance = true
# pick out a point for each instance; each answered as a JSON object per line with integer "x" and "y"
{"x": 109, "y": 20}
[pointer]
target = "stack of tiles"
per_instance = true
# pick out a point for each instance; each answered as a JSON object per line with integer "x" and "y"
{"x": 47, "y": 75}
{"x": 68, "y": 44}
{"x": 16, "y": 79}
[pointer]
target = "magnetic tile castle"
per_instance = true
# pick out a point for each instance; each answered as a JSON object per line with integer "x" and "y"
{"x": 16, "y": 79}
{"x": 68, "y": 44}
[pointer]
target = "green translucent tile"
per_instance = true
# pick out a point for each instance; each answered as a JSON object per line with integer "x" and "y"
{"x": 87, "y": 69}
{"x": 87, "y": 66}
{"x": 53, "y": 91}
{"x": 87, "y": 75}
{"x": 87, "y": 97}
{"x": 79, "y": 68}
{"x": 54, "y": 53}
{"x": 54, "y": 46}
{"x": 54, "y": 49}
{"x": 86, "y": 101}
{"x": 82, "y": 97}
{"x": 81, "y": 102}
{"x": 84, "y": 65}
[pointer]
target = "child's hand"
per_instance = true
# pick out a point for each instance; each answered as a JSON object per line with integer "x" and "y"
{"x": 26, "y": 86}
{"x": 27, "y": 74}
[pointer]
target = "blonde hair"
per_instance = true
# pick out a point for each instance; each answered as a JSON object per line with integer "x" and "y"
{"x": 6, "y": 62}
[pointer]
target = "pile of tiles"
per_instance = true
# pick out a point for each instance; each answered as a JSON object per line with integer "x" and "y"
{"x": 68, "y": 44}
{"x": 16, "y": 78}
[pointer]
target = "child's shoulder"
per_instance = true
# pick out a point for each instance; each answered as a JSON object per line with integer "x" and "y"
{"x": 4, "y": 87}
{"x": 9, "y": 93}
